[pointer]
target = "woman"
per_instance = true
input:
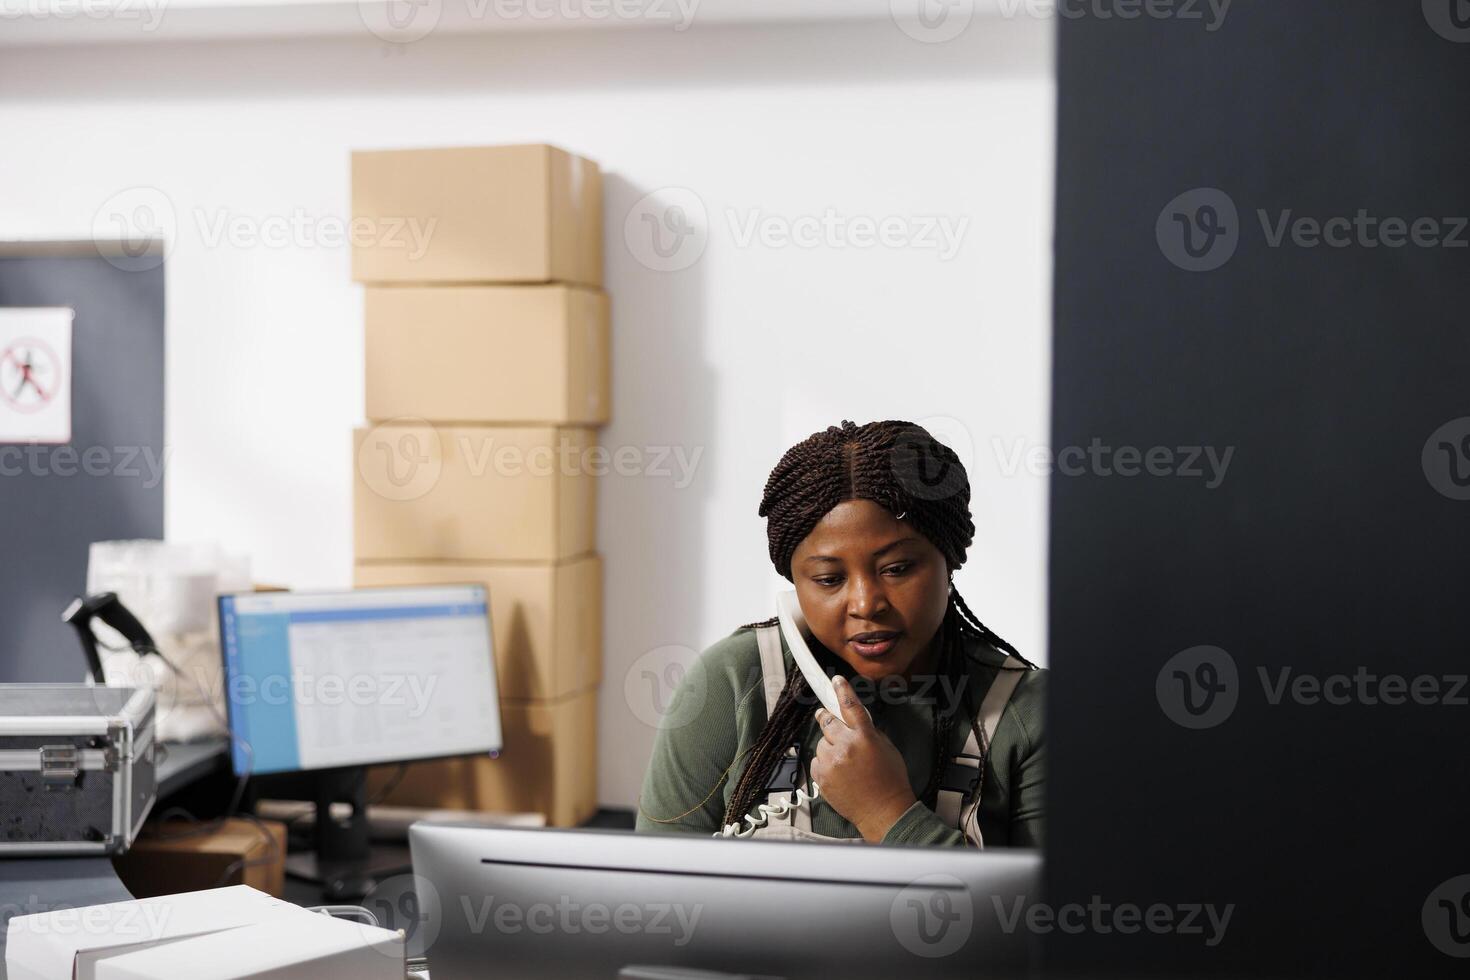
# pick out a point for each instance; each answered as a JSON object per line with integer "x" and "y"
{"x": 869, "y": 523}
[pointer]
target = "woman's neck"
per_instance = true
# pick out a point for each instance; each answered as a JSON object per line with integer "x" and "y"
{"x": 926, "y": 664}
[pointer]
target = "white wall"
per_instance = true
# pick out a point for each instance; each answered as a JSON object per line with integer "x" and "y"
{"x": 735, "y": 357}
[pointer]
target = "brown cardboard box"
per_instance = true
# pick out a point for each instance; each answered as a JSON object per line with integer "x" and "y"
{"x": 546, "y": 618}
{"x": 549, "y": 766}
{"x": 502, "y": 354}
{"x": 473, "y": 493}
{"x": 476, "y": 214}
{"x": 172, "y": 857}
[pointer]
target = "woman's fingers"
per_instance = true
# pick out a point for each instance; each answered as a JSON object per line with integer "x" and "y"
{"x": 830, "y": 725}
{"x": 854, "y": 715}
{"x": 822, "y": 758}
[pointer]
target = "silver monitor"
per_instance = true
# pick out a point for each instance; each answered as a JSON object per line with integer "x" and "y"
{"x": 513, "y": 903}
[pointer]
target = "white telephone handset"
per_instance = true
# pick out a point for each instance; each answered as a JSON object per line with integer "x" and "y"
{"x": 793, "y": 623}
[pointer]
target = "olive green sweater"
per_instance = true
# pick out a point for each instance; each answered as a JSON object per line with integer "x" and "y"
{"x": 717, "y": 713}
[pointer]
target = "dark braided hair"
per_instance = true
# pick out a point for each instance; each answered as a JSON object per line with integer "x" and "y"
{"x": 902, "y": 468}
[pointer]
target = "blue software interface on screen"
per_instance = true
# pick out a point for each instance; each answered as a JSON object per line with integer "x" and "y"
{"x": 316, "y": 681}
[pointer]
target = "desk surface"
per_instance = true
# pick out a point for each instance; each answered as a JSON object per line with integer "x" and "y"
{"x": 184, "y": 762}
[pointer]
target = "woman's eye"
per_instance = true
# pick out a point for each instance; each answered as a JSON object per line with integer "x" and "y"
{"x": 899, "y": 569}
{"x": 827, "y": 580}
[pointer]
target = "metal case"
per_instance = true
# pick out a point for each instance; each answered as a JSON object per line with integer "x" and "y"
{"x": 78, "y": 768}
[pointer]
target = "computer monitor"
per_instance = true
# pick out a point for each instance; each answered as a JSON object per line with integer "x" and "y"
{"x": 573, "y": 903}
{"x": 327, "y": 683}
{"x": 333, "y": 679}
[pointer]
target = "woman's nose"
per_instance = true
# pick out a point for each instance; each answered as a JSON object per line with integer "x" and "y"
{"x": 866, "y": 600}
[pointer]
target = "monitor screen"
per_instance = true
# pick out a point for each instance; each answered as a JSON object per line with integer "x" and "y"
{"x": 325, "y": 680}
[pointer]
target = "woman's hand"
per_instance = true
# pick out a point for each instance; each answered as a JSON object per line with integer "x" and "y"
{"x": 859, "y": 771}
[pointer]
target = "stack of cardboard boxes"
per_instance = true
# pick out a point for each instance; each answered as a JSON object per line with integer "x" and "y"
{"x": 487, "y": 375}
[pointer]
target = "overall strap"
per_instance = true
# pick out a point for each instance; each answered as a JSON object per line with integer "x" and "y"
{"x": 959, "y": 798}
{"x": 773, "y": 682}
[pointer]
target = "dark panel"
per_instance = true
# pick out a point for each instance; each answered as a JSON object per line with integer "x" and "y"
{"x": 1325, "y": 549}
{"x": 53, "y": 504}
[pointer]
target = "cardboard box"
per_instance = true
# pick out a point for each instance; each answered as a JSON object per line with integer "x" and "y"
{"x": 476, "y": 214}
{"x": 501, "y": 354}
{"x": 549, "y": 766}
{"x": 546, "y": 618}
{"x": 172, "y": 857}
{"x": 473, "y": 493}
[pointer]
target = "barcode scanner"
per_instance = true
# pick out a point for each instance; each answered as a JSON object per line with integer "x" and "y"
{"x": 108, "y": 608}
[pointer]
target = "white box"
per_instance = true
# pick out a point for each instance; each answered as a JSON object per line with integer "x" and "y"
{"x": 310, "y": 946}
{"x": 70, "y": 942}
{"x": 220, "y": 933}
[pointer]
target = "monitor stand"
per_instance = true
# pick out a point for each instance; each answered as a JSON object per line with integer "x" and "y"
{"x": 343, "y": 860}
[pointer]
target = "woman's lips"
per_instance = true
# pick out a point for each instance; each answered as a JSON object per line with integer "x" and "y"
{"x": 875, "y": 644}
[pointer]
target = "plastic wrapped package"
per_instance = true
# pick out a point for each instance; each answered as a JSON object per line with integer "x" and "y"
{"x": 172, "y": 589}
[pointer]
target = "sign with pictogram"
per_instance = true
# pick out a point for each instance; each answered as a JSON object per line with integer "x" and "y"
{"x": 35, "y": 374}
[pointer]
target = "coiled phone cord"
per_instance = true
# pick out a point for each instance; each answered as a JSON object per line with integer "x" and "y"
{"x": 766, "y": 811}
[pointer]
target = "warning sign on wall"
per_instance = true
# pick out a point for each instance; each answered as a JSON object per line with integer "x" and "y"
{"x": 35, "y": 374}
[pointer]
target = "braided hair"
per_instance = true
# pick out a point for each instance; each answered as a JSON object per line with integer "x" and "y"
{"x": 902, "y": 468}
